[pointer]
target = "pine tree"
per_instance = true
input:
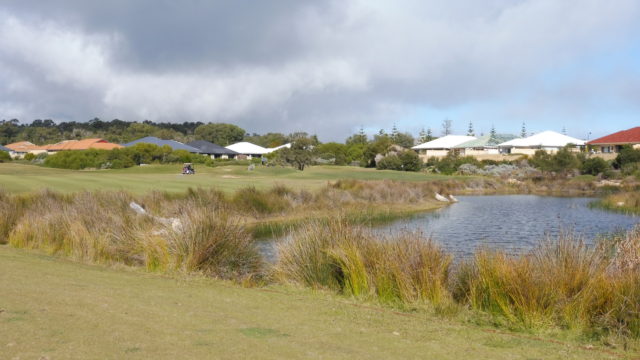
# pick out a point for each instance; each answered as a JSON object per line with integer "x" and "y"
{"x": 394, "y": 132}
{"x": 429, "y": 134}
{"x": 523, "y": 132}
{"x": 564, "y": 130}
{"x": 470, "y": 132}
{"x": 493, "y": 134}
{"x": 446, "y": 127}
{"x": 422, "y": 136}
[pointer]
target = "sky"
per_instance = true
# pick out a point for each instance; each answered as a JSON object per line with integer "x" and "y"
{"x": 326, "y": 67}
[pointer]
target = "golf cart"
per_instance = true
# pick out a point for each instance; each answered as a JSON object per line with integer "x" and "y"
{"x": 187, "y": 169}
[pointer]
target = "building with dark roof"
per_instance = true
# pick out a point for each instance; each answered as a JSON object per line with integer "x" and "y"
{"x": 175, "y": 145}
{"x": 214, "y": 150}
{"x": 613, "y": 143}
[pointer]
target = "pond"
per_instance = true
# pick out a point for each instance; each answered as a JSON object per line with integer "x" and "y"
{"x": 514, "y": 223}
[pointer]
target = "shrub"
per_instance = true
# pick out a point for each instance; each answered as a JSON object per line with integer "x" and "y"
{"x": 594, "y": 166}
{"x": 626, "y": 156}
{"x": 389, "y": 162}
{"x": 4, "y": 157}
{"x": 29, "y": 156}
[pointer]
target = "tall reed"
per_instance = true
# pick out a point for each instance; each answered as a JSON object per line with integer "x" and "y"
{"x": 405, "y": 268}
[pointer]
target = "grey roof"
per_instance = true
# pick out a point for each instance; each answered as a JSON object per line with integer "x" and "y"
{"x": 2, "y": 148}
{"x": 175, "y": 145}
{"x": 210, "y": 148}
{"x": 485, "y": 141}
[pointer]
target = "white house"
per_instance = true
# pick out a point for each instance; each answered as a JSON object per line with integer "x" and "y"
{"x": 252, "y": 150}
{"x": 549, "y": 141}
{"x": 440, "y": 147}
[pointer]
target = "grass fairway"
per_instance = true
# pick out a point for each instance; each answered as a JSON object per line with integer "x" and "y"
{"x": 56, "y": 309}
{"x": 21, "y": 178}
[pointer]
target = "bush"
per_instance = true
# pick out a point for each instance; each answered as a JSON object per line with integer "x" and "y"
{"x": 389, "y": 162}
{"x": 626, "y": 156}
{"x": 121, "y": 158}
{"x": 4, "y": 157}
{"x": 594, "y": 166}
{"x": 450, "y": 164}
{"x": 29, "y": 156}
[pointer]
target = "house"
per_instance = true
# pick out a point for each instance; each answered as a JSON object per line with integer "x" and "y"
{"x": 174, "y": 145}
{"x": 484, "y": 145}
{"x": 440, "y": 147}
{"x": 2, "y": 148}
{"x": 215, "y": 151}
{"x": 84, "y": 144}
{"x": 248, "y": 150}
{"x": 549, "y": 141}
{"x": 21, "y": 148}
{"x": 613, "y": 143}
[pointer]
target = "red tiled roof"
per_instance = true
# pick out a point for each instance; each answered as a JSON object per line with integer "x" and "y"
{"x": 21, "y": 146}
{"x": 631, "y": 136}
{"x": 81, "y": 145}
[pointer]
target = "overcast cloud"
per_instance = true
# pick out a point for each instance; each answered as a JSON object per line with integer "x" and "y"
{"x": 325, "y": 67}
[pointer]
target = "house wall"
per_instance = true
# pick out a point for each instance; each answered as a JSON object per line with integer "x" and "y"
{"x": 613, "y": 148}
{"x": 425, "y": 154}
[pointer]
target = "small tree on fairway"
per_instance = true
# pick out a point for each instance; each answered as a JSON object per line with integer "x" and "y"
{"x": 300, "y": 154}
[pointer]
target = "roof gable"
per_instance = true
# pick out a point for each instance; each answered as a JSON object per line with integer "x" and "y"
{"x": 445, "y": 142}
{"x": 208, "y": 147}
{"x": 175, "y": 145}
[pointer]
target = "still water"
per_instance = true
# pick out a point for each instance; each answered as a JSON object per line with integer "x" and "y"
{"x": 514, "y": 223}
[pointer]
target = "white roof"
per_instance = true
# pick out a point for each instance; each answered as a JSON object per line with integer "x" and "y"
{"x": 445, "y": 142}
{"x": 287, "y": 145}
{"x": 248, "y": 148}
{"x": 544, "y": 139}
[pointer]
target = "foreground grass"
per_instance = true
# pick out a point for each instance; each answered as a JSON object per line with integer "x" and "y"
{"x": 21, "y": 178}
{"x": 56, "y": 309}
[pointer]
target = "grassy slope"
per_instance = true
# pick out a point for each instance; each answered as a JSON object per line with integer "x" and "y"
{"x": 24, "y": 178}
{"x": 63, "y": 310}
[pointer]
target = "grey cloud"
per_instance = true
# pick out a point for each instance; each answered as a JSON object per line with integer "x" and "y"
{"x": 320, "y": 66}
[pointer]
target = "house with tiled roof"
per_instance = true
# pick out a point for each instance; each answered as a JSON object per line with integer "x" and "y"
{"x": 84, "y": 144}
{"x": 612, "y": 143}
{"x": 21, "y": 148}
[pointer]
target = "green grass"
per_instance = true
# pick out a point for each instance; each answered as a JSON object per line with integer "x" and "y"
{"x": 21, "y": 178}
{"x": 57, "y": 309}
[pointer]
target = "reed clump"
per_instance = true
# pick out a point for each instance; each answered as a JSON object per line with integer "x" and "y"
{"x": 102, "y": 228}
{"x": 403, "y": 269}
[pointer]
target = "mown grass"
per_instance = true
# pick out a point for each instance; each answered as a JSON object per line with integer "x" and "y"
{"x": 23, "y": 178}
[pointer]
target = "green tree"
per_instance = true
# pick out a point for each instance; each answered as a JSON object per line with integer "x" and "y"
{"x": 404, "y": 139}
{"x": 220, "y": 133}
{"x": 470, "y": 131}
{"x": 300, "y": 154}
